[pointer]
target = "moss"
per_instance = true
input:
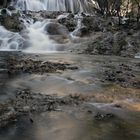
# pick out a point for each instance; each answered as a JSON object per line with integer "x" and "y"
{"x": 11, "y": 23}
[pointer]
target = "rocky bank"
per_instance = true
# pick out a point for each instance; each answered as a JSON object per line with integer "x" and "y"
{"x": 98, "y": 36}
{"x": 112, "y": 39}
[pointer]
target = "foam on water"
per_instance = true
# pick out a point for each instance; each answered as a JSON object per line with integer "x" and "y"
{"x": 38, "y": 38}
{"x": 10, "y": 40}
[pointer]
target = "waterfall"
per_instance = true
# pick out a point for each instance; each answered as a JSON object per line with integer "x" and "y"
{"x": 35, "y": 36}
{"x": 38, "y": 39}
{"x": 74, "y": 6}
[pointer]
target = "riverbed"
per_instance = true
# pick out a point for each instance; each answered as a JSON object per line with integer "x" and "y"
{"x": 84, "y": 121}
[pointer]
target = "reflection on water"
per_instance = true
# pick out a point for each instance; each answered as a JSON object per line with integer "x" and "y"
{"x": 70, "y": 126}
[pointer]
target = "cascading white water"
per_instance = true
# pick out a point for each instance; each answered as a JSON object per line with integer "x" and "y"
{"x": 74, "y": 6}
{"x": 38, "y": 39}
{"x": 10, "y": 40}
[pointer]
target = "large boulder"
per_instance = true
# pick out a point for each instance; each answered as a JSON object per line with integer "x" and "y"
{"x": 92, "y": 23}
{"x": 69, "y": 21}
{"x": 57, "y": 32}
{"x": 11, "y": 23}
{"x": 100, "y": 45}
{"x": 133, "y": 45}
{"x": 56, "y": 29}
{"x": 108, "y": 44}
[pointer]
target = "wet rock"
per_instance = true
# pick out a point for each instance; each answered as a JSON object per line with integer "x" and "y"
{"x": 56, "y": 29}
{"x": 119, "y": 42}
{"x": 92, "y": 23}
{"x": 50, "y": 14}
{"x": 101, "y": 45}
{"x": 110, "y": 77}
{"x": 69, "y": 21}
{"x": 4, "y": 12}
{"x": 41, "y": 15}
{"x": 81, "y": 32}
{"x": 12, "y": 23}
{"x": 122, "y": 75}
{"x": 72, "y": 67}
{"x": 117, "y": 106}
{"x": 89, "y": 111}
{"x": 112, "y": 39}
{"x": 16, "y": 66}
{"x": 133, "y": 45}
{"x": 7, "y": 114}
{"x": 27, "y": 102}
{"x": 11, "y": 8}
{"x": 57, "y": 32}
{"x": 101, "y": 117}
{"x": 113, "y": 43}
{"x": 31, "y": 120}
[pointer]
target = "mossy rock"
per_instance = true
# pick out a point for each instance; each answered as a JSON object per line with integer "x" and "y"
{"x": 11, "y": 23}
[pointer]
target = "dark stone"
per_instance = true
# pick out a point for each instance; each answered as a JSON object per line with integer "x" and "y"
{"x": 117, "y": 106}
{"x": 11, "y": 8}
{"x": 101, "y": 117}
{"x": 83, "y": 31}
{"x": 69, "y": 22}
{"x": 4, "y": 12}
{"x": 56, "y": 29}
{"x": 89, "y": 111}
{"x": 12, "y": 23}
{"x": 92, "y": 23}
{"x": 17, "y": 66}
{"x": 31, "y": 120}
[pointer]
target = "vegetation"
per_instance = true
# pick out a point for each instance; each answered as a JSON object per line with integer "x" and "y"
{"x": 121, "y": 8}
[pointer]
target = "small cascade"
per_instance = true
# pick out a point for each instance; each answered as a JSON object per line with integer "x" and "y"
{"x": 10, "y": 40}
{"x": 79, "y": 25}
{"x": 38, "y": 40}
{"x": 33, "y": 39}
{"x": 74, "y": 6}
{"x": 43, "y": 35}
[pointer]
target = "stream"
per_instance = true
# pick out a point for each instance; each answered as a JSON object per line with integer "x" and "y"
{"x": 110, "y": 104}
{"x": 74, "y": 123}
